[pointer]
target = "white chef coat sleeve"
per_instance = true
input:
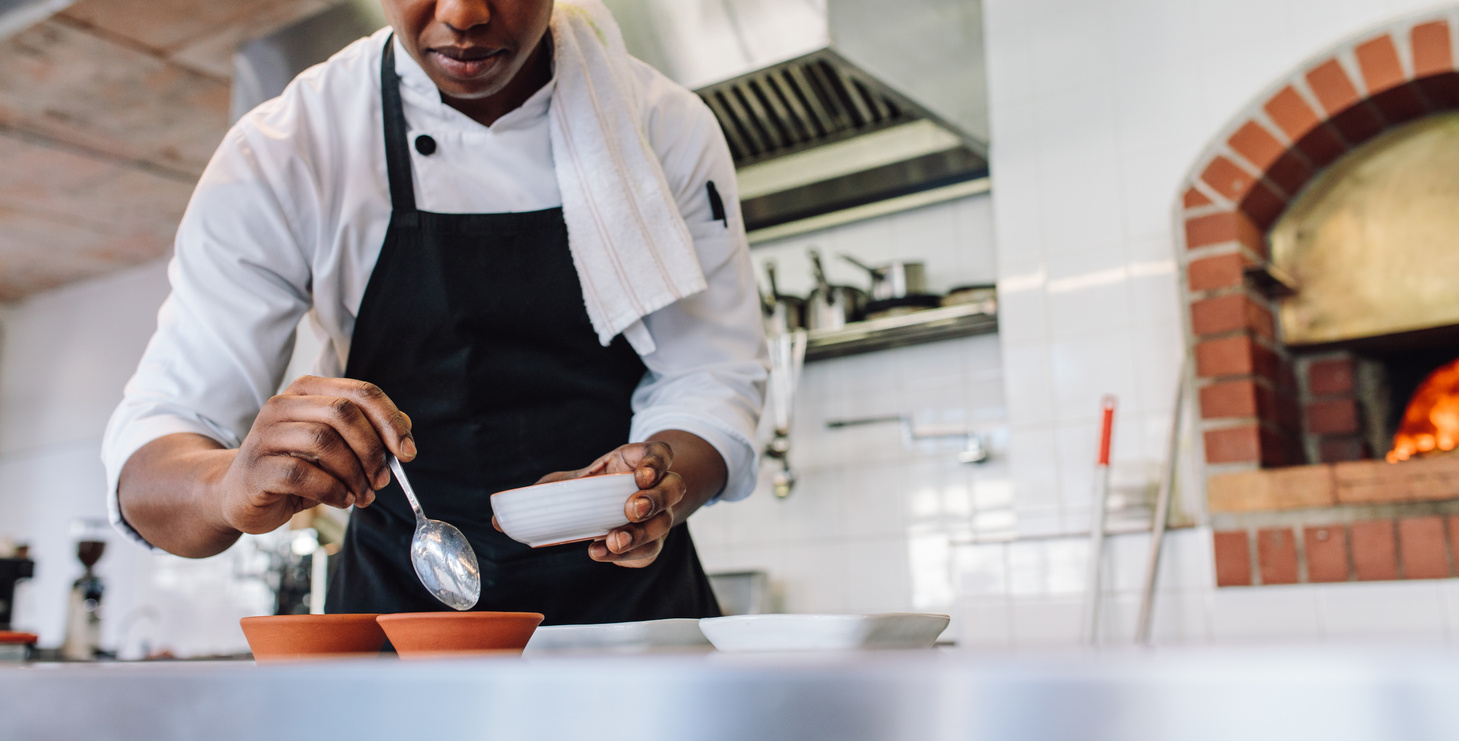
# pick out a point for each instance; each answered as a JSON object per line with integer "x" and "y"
{"x": 240, "y": 284}
{"x": 707, "y": 374}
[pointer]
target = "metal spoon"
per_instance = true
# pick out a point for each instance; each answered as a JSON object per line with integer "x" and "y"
{"x": 441, "y": 555}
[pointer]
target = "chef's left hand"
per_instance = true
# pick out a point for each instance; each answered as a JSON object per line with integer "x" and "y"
{"x": 650, "y": 512}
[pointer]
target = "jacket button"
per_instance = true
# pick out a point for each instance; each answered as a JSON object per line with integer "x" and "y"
{"x": 425, "y": 144}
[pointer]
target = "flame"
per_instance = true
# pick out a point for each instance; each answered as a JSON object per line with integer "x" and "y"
{"x": 1431, "y": 421}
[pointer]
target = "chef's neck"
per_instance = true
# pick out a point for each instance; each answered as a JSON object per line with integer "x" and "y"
{"x": 528, "y": 80}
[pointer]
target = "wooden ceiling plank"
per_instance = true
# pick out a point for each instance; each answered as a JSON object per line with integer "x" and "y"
{"x": 213, "y": 53}
{"x": 163, "y": 25}
{"x": 120, "y": 101}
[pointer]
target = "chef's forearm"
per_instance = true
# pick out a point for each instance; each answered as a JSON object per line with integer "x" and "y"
{"x": 166, "y": 493}
{"x": 699, "y": 464}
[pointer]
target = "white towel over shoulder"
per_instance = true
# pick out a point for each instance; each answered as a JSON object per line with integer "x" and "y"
{"x": 633, "y": 252}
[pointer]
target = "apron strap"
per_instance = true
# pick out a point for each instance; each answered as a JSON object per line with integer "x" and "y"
{"x": 397, "y": 150}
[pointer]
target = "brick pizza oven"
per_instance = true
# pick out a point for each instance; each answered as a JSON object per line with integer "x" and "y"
{"x": 1313, "y": 315}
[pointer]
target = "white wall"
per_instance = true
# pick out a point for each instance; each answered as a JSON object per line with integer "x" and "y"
{"x": 65, "y": 356}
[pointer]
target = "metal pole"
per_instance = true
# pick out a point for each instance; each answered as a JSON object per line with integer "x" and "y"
{"x": 1162, "y": 514}
{"x": 1096, "y": 528}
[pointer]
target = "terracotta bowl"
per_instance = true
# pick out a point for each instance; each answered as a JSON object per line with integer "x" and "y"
{"x": 277, "y": 637}
{"x": 417, "y": 634}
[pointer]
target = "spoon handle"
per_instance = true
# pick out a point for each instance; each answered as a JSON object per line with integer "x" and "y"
{"x": 399, "y": 472}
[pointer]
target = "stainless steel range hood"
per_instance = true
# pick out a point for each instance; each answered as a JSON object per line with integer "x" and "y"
{"x": 828, "y": 104}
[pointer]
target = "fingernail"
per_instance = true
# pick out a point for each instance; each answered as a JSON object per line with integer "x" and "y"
{"x": 407, "y": 446}
{"x": 623, "y": 540}
{"x": 643, "y": 506}
{"x": 382, "y": 479}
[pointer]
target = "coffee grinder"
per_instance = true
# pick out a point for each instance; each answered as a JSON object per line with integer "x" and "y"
{"x": 83, "y": 613}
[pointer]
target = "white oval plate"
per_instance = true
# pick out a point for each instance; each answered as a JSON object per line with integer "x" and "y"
{"x": 893, "y": 630}
{"x": 637, "y": 637}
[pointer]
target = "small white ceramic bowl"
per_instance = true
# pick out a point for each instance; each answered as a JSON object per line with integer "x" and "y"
{"x": 564, "y": 511}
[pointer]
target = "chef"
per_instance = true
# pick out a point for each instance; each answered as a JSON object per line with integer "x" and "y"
{"x": 523, "y": 253}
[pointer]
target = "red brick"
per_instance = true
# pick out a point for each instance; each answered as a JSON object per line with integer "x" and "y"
{"x": 1332, "y": 417}
{"x": 1374, "y": 556}
{"x": 1230, "y": 313}
{"x": 1422, "y": 549}
{"x": 1378, "y": 61}
{"x": 1257, "y": 145}
{"x": 1290, "y": 172}
{"x": 1236, "y": 356}
{"x": 1265, "y": 363}
{"x": 1266, "y": 403}
{"x": 1277, "y": 556}
{"x": 1442, "y": 90}
{"x": 1331, "y": 376}
{"x": 1259, "y": 319}
{"x": 1342, "y": 450}
{"x": 1219, "y": 314}
{"x": 1234, "y": 445}
{"x": 1233, "y": 559}
{"x": 1279, "y": 450}
{"x": 1227, "y": 178}
{"x": 1358, "y": 124}
{"x": 1210, "y": 229}
{"x": 1229, "y": 399}
{"x": 1432, "y": 52}
{"x": 1330, "y": 83}
{"x": 1221, "y": 271}
{"x": 1289, "y": 413}
{"x": 1322, "y": 146}
{"x": 1291, "y": 113}
{"x": 1263, "y": 205}
{"x": 1327, "y": 553}
{"x": 1399, "y": 104}
{"x": 1194, "y": 198}
{"x": 1228, "y": 356}
{"x": 1228, "y": 226}
{"x": 1452, "y": 521}
{"x": 1286, "y": 381}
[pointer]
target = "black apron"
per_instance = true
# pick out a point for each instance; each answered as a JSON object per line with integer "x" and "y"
{"x": 474, "y": 325}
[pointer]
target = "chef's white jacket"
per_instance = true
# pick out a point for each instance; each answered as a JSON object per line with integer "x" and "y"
{"x": 290, "y": 214}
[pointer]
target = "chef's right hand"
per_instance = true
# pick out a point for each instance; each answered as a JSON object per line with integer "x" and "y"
{"x": 321, "y": 441}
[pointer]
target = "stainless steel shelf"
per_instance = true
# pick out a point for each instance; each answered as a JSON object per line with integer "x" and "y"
{"x": 930, "y": 325}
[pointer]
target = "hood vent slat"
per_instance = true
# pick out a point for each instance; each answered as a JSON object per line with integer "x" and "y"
{"x": 796, "y": 105}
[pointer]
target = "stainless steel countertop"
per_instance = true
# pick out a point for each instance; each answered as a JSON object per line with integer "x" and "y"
{"x": 1331, "y": 694}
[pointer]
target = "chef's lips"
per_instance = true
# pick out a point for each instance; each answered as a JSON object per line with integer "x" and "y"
{"x": 466, "y": 62}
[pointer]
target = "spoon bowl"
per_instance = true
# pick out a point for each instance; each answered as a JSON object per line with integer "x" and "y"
{"x": 443, "y": 558}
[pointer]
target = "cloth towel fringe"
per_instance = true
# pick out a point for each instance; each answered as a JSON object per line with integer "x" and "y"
{"x": 633, "y": 252}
